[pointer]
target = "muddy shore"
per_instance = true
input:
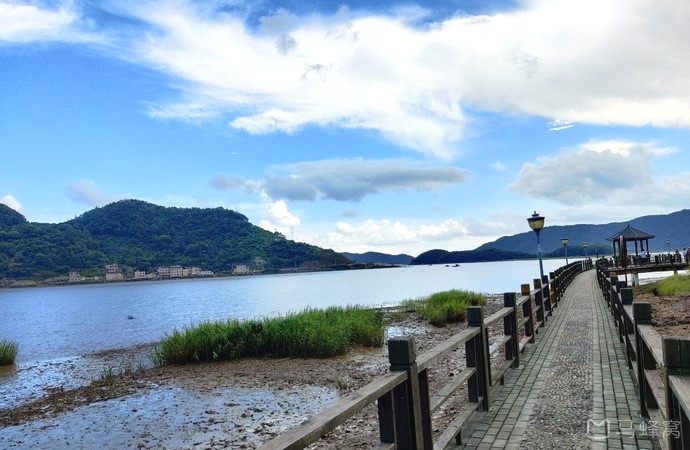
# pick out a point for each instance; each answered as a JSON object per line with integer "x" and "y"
{"x": 118, "y": 399}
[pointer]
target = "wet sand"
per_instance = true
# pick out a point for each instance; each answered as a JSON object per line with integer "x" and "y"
{"x": 236, "y": 404}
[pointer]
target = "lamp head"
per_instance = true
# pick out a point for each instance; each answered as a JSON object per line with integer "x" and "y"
{"x": 564, "y": 241}
{"x": 536, "y": 222}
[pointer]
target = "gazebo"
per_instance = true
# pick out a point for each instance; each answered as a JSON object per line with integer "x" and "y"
{"x": 631, "y": 234}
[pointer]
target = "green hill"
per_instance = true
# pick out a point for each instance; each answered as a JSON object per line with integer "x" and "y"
{"x": 144, "y": 236}
{"x": 378, "y": 258}
{"x": 445, "y": 257}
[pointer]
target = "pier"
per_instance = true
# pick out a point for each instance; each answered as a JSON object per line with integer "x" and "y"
{"x": 577, "y": 365}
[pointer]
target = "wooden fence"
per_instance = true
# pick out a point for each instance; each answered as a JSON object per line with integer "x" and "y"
{"x": 405, "y": 405}
{"x": 661, "y": 364}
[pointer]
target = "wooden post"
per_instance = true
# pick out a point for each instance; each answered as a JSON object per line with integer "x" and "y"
{"x": 546, "y": 295}
{"x": 628, "y": 328}
{"x": 512, "y": 347}
{"x": 554, "y": 290}
{"x": 642, "y": 313}
{"x": 676, "y": 351}
{"x": 477, "y": 356}
{"x": 528, "y": 311}
{"x": 541, "y": 316}
{"x": 410, "y": 430}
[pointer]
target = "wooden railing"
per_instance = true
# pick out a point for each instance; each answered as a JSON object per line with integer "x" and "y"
{"x": 661, "y": 364}
{"x": 405, "y": 405}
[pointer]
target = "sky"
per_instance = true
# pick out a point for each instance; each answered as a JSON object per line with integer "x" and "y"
{"x": 358, "y": 126}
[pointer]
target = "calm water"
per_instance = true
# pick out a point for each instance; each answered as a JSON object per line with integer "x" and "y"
{"x": 73, "y": 320}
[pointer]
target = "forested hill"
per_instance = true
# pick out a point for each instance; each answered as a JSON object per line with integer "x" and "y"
{"x": 144, "y": 236}
{"x": 445, "y": 257}
{"x": 378, "y": 258}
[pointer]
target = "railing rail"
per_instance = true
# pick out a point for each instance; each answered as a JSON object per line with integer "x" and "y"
{"x": 660, "y": 364}
{"x": 405, "y": 405}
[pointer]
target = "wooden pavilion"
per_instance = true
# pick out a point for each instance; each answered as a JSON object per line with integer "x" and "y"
{"x": 631, "y": 234}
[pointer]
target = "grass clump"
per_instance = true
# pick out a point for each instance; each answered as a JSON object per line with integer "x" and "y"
{"x": 311, "y": 333}
{"x": 673, "y": 285}
{"x": 8, "y": 352}
{"x": 444, "y": 307}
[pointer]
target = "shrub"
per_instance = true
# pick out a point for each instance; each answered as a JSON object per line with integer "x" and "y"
{"x": 8, "y": 352}
{"x": 676, "y": 284}
{"x": 310, "y": 333}
{"x": 444, "y": 307}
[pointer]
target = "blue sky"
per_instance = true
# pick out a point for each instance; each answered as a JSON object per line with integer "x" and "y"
{"x": 352, "y": 125}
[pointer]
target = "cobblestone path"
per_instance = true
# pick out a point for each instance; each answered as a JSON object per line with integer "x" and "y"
{"x": 573, "y": 388}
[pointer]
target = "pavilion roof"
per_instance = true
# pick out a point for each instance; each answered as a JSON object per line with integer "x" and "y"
{"x": 631, "y": 234}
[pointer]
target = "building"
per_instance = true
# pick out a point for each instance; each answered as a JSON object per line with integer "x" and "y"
{"x": 113, "y": 273}
{"x": 176, "y": 272}
{"x": 75, "y": 277}
{"x": 240, "y": 269}
{"x": 140, "y": 274}
{"x": 163, "y": 272}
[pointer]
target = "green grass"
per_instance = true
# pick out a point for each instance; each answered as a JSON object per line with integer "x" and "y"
{"x": 8, "y": 352}
{"x": 673, "y": 285}
{"x": 310, "y": 333}
{"x": 444, "y": 307}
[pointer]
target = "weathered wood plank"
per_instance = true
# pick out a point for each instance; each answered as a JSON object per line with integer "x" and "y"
{"x": 436, "y": 354}
{"x": 524, "y": 342}
{"x": 450, "y": 388}
{"x": 325, "y": 421}
{"x": 502, "y": 369}
{"x": 522, "y": 299}
{"x": 652, "y": 338}
{"x": 522, "y": 322}
{"x": 680, "y": 385}
{"x": 498, "y": 315}
{"x": 498, "y": 344}
{"x": 656, "y": 386}
{"x": 450, "y": 434}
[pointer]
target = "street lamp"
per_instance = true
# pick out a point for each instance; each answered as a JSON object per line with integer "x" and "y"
{"x": 668, "y": 244}
{"x": 564, "y": 241}
{"x": 536, "y": 223}
{"x": 585, "y": 245}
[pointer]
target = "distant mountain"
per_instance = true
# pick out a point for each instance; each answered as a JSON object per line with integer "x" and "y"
{"x": 143, "y": 235}
{"x": 380, "y": 258}
{"x": 674, "y": 226}
{"x": 445, "y": 257}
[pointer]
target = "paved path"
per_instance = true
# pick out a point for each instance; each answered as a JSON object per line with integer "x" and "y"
{"x": 576, "y": 375}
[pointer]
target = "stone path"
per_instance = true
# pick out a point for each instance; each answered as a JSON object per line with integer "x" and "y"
{"x": 573, "y": 388}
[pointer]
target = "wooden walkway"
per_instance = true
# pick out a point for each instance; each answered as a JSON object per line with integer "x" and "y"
{"x": 576, "y": 383}
{"x": 572, "y": 390}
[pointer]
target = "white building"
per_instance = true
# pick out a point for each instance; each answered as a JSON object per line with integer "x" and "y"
{"x": 176, "y": 271}
{"x": 163, "y": 272}
{"x": 240, "y": 269}
{"x": 75, "y": 277}
{"x": 139, "y": 274}
{"x": 113, "y": 273}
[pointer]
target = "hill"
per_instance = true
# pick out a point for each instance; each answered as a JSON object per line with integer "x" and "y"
{"x": 144, "y": 236}
{"x": 445, "y": 257}
{"x": 379, "y": 258}
{"x": 674, "y": 226}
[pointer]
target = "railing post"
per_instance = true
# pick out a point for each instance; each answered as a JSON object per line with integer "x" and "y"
{"x": 512, "y": 347}
{"x": 628, "y": 328}
{"x": 411, "y": 431}
{"x": 642, "y": 313}
{"x": 546, "y": 296}
{"x": 554, "y": 290}
{"x": 676, "y": 351}
{"x": 538, "y": 301}
{"x": 528, "y": 311}
{"x": 477, "y": 356}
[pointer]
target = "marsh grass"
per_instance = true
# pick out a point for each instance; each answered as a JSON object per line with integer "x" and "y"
{"x": 444, "y": 307}
{"x": 8, "y": 352}
{"x": 317, "y": 333}
{"x": 673, "y": 285}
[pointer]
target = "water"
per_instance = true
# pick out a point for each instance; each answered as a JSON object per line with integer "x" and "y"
{"x": 69, "y": 321}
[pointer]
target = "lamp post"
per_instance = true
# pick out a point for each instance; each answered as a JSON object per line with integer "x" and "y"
{"x": 586, "y": 245}
{"x": 564, "y": 241}
{"x": 536, "y": 223}
{"x": 668, "y": 244}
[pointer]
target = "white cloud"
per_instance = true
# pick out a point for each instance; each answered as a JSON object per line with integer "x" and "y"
{"x": 604, "y": 180}
{"x": 23, "y": 23}
{"x": 498, "y": 166}
{"x": 11, "y": 201}
{"x": 596, "y": 62}
{"x": 279, "y": 214}
{"x": 558, "y": 125}
{"x": 87, "y": 193}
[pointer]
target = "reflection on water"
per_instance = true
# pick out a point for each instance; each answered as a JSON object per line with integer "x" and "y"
{"x": 68, "y": 321}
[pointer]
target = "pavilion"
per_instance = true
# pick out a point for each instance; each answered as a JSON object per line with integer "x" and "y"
{"x": 631, "y": 234}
